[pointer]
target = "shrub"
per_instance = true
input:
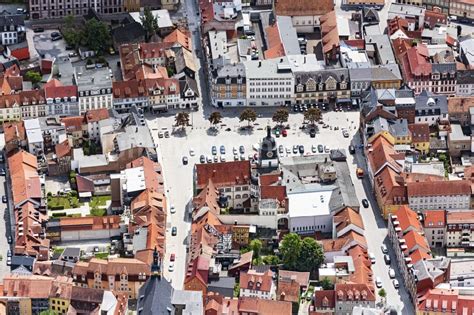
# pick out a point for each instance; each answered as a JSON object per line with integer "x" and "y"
{"x": 59, "y": 214}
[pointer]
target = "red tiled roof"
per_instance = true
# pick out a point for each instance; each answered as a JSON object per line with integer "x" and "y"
{"x": 14, "y": 131}
{"x": 62, "y": 149}
{"x": 324, "y": 299}
{"x": 152, "y": 172}
{"x": 223, "y": 174}
{"x": 353, "y": 292}
{"x": 419, "y": 132}
{"x": 180, "y": 37}
{"x": 95, "y": 115}
{"x": 303, "y": 7}
{"x": 434, "y": 219}
{"x": 407, "y": 218}
{"x": 73, "y": 123}
{"x": 415, "y": 239}
{"x": 288, "y": 290}
{"x": 439, "y": 188}
{"x": 301, "y": 277}
{"x": 273, "y": 192}
{"x": 24, "y": 177}
{"x": 346, "y": 217}
{"x": 129, "y": 89}
{"x": 389, "y": 187}
{"x": 454, "y": 217}
{"x": 435, "y": 17}
{"x": 253, "y": 280}
{"x": 382, "y": 152}
{"x": 84, "y": 184}
{"x": 247, "y": 305}
{"x": 55, "y": 89}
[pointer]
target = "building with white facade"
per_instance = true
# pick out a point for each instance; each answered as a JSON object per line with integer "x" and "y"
{"x": 309, "y": 212}
{"x": 34, "y": 136}
{"x": 434, "y": 225}
{"x": 430, "y": 108}
{"x": 460, "y": 229}
{"x": 257, "y": 284}
{"x": 269, "y": 82}
{"x": 94, "y": 88}
{"x": 448, "y": 195}
{"x": 12, "y": 29}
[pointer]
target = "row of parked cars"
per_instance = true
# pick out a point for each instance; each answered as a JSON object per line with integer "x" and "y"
{"x": 391, "y": 271}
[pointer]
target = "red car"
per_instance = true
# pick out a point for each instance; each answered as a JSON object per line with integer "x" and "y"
{"x": 284, "y": 133}
{"x": 172, "y": 257}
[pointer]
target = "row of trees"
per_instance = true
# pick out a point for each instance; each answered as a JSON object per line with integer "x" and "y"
{"x": 249, "y": 115}
{"x": 94, "y": 34}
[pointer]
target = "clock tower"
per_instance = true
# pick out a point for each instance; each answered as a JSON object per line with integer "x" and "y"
{"x": 268, "y": 151}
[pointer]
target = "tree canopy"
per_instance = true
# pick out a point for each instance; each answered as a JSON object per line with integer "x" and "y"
{"x": 96, "y": 35}
{"x": 312, "y": 115}
{"x": 182, "y": 119}
{"x": 280, "y": 116}
{"x": 256, "y": 246}
{"x": 301, "y": 255}
{"x": 215, "y": 118}
{"x": 33, "y": 76}
{"x": 248, "y": 115}
{"x": 150, "y": 23}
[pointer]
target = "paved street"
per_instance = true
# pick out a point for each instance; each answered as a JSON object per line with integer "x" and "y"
{"x": 4, "y": 221}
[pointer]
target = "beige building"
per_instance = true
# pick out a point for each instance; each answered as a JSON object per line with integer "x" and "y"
{"x": 460, "y": 229}
{"x": 462, "y": 8}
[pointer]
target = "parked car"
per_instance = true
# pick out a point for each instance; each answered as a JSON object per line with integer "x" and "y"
{"x": 352, "y": 149}
{"x": 172, "y": 209}
{"x": 55, "y": 36}
{"x": 223, "y": 158}
{"x": 9, "y": 260}
{"x": 277, "y": 133}
{"x": 202, "y": 159}
{"x": 372, "y": 258}
{"x": 38, "y": 30}
{"x": 281, "y": 150}
{"x": 4, "y": 199}
{"x": 345, "y": 134}
{"x": 9, "y": 239}
{"x": 171, "y": 267}
{"x": 216, "y": 159}
{"x": 386, "y": 258}
{"x": 384, "y": 249}
{"x": 391, "y": 273}
{"x": 2, "y": 171}
{"x": 222, "y": 149}
{"x": 314, "y": 149}
{"x": 241, "y": 149}
{"x": 295, "y": 149}
{"x": 365, "y": 203}
{"x": 301, "y": 149}
{"x": 9, "y": 253}
{"x": 284, "y": 133}
{"x": 214, "y": 150}
{"x": 234, "y": 150}
{"x": 326, "y": 149}
{"x": 167, "y": 134}
{"x": 242, "y": 157}
{"x": 320, "y": 148}
{"x": 396, "y": 285}
{"x": 191, "y": 152}
{"x": 236, "y": 157}
{"x": 312, "y": 132}
{"x": 378, "y": 282}
{"x": 185, "y": 160}
{"x": 209, "y": 159}
{"x": 160, "y": 134}
{"x": 172, "y": 257}
{"x": 174, "y": 231}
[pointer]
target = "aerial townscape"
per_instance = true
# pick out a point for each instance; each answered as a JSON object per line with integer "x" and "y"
{"x": 237, "y": 157}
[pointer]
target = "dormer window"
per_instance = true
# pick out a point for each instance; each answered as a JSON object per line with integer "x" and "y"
{"x": 299, "y": 88}
{"x": 311, "y": 85}
{"x": 250, "y": 284}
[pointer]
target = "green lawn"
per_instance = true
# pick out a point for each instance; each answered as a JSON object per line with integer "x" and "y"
{"x": 102, "y": 255}
{"x": 99, "y": 201}
{"x": 63, "y": 202}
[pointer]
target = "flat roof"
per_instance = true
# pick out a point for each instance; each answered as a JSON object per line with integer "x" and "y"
{"x": 32, "y": 124}
{"x": 309, "y": 203}
{"x": 135, "y": 179}
{"x": 92, "y": 79}
{"x": 163, "y": 16}
{"x": 34, "y": 135}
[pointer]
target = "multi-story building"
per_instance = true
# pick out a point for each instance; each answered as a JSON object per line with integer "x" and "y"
{"x": 458, "y": 109}
{"x": 127, "y": 94}
{"x": 419, "y": 270}
{"x": 269, "y": 82}
{"x": 92, "y": 119}
{"x": 229, "y": 86}
{"x": 443, "y": 301}
{"x": 443, "y": 194}
{"x": 12, "y": 29}
{"x": 314, "y": 83}
{"x": 463, "y": 9}
{"x": 430, "y": 108}
{"x": 257, "y": 284}
{"x": 94, "y": 88}
{"x": 431, "y": 4}
{"x": 59, "y": 9}
{"x": 458, "y": 142}
{"x": 465, "y": 82}
{"x": 60, "y": 99}
{"x": 460, "y": 229}
{"x": 350, "y": 295}
{"x": 429, "y": 70}
{"x": 420, "y": 137}
{"x": 120, "y": 274}
{"x": 434, "y": 225}
{"x": 163, "y": 94}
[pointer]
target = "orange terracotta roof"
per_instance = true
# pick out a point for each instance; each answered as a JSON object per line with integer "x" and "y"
{"x": 180, "y": 37}
{"x": 324, "y": 299}
{"x": 253, "y": 280}
{"x": 346, "y": 217}
{"x": 90, "y": 223}
{"x": 414, "y": 239}
{"x": 207, "y": 198}
{"x": 223, "y": 174}
{"x": 382, "y": 152}
{"x": 434, "y": 219}
{"x": 152, "y": 171}
{"x": 62, "y": 149}
{"x": 389, "y": 187}
{"x": 460, "y": 105}
{"x": 354, "y": 291}
{"x": 439, "y": 188}
{"x": 288, "y": 290}
{"x": 14, "y": 131}
{"x": 419, "y": 132}
{"x": 454, "y": 217}
{"x": 249, "y": 305}
{"x": 301, "y": 277}
{"x": 73, "y": 123}
{"x": 112, "y": 267}
{"x": 28, "y": 286}
{"x": 24, "y": 177}
{"x": 55, "y": 89}
{"x": 95, "y": 115}
{"x": 129, "y": 89}
{"x": 303, "y": 7}
{"x": 408, "y": 218}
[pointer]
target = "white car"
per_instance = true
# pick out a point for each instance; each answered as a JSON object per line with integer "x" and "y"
{"x": 378, "y": 282}
{"x": 396, "y": 285}
{"x": 288, "y": 150}
{"x": 314, "y": 148}
{"x": 172, "y": 209}
{"x": 191, "y": 152}
{"x": 391, "y": 273}
{"x": 209, "y": 159}
{"x": 171, "y": 267}
{"x": 235, "y": 151}
{"x": 372, "y": 258}
{"x": 384, "y": 249}
{"x": 222, "y": 158}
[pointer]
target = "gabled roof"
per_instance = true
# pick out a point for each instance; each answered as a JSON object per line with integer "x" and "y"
{"x": 84, "y": 184}
{"x": 180, "y": 37}
{"x": 419, "y": 132}
{"x": 347, "y": 217}
{"x": 408, "y": 218}
{"x": 354, "y": 292}
{"x": 439, "y": 188}
{"x": 223, "y": 174}
{"x": 381, "y": 153}
{"x": 253, "y": 280}
{"x": 434, "y": 219}
{"x": 303, "y": 7}
{"x": 55, "y": 89}
{"x": 62, "y": 149}
{"x": 95, "y": 115}
{"x": 24, "y": 177}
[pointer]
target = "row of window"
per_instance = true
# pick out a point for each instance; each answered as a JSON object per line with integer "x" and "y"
{"x": 309, "y": 228}
{"x": 287, "y": 96}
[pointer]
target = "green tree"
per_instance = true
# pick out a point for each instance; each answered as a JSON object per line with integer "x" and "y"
{"x": 312, "y": 115}
{"x": 150, "y": 24}
{"x": 71, "y": 34}
{"x": 256, "y": 246}
{"x": 290, "y": 248}
{"x": 326, "y": 284}
{"x": 248, "y": 115}
{"x": 271, "y": 260}
{"x": 236, "y": 290}
{"x": 215, "y": 118}
{"x": 33, "y": 76}
{"x": 182, "y": 119}
{"x": 382, "y": 294}
{"x": 96, "y": 35}
{"x": 280, "y": 116}
{"x": 310, "y": 256}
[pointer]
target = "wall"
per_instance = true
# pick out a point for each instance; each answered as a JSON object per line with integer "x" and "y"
{"x": 262, "y": 221}
{"x": 88, "y": 235}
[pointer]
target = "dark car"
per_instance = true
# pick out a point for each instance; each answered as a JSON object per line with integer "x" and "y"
{"x": 214, "y": 150}
{"x": 55, "y": 36}
{"x": 4, "y": 199}
{"x": 241, "y": 149}
{"x": 202, "y": 159}
{"x": 9, "y": 239}
{"x": 295, "y": 149}
{"x": 320, "y": 148}
{"x": 301, "y": 149}
{"x": 38, "y": 30}
{"x": 185, "y": 160}
{"x": 386, "y": 258}
{"x": 352, "y": 149}
{"x": 312, "y": 132}
{"x": 174, "y": 231}
{"x": 222, "y": 149}
{"x": 365, "y": 203}
{"x": 2, "y": 171}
